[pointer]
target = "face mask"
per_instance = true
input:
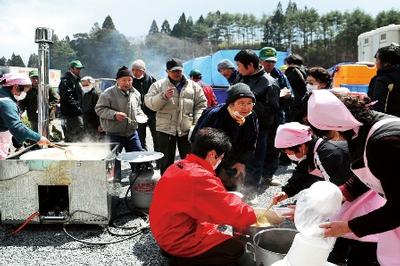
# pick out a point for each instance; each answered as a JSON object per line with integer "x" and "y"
{"x": 311, "y": 87}
{"x": 217, "y": 163}
{"x": 293, "y": 157}
{"x": 86, "y": 89}
{"x": 20, "y": 97}
{"x": 138, "y": 77}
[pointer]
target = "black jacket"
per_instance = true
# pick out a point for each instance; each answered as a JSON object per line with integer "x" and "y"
{"x": 71, "y": 95}
{"x": 385, "y": 88}
{"x": 266, "y": 91}
{"x": 30, "y": 104}
{"x": 243, "y": 138}
{"x": 297, "y": 78}
{"x": 383, "y": 149}
{"x": 143, "y": 85}
{"x": 90, "y": 118}
{"x": 334, "y": 157}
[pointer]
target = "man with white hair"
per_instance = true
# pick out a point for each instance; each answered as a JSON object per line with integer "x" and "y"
{"x": 142, "y": 82}
{"x": 91, "y": 122}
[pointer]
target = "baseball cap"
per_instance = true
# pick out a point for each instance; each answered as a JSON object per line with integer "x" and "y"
{"x": 76, "y": 64}
{"x": 174, "y": 64}
{"x": 268, "y": 54}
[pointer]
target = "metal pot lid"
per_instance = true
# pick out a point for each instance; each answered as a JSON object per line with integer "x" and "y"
{"x": 140, "y": 156}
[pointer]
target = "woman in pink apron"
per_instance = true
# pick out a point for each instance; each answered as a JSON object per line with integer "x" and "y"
{"x": 323, "y": 160}
{"x": 14, "y": 88}
{"x": 374, "y": 146}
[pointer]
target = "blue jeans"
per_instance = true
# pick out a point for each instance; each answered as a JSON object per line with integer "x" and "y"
{"x": 255, "y": 166}
{"x": 130, "y": 143}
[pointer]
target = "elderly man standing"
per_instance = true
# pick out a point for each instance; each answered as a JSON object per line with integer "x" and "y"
{"x": 71, "y": 98}
{"x": 179, "y": 103}
{"x": 91, "y": 120}
{"x": 118, "y": 108}
{"x": 142, "y": 82}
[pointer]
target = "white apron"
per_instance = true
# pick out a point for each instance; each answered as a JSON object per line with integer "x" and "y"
{"x": 5, "y": 144}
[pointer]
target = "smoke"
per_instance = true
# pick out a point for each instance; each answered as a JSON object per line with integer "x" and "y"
{"x": 157, "y": 48}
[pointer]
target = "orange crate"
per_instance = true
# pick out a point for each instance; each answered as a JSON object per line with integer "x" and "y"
{"x": 353, "y": 74}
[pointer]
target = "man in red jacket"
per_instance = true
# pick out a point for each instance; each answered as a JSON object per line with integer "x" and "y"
{"x": 190, "y": 202}
{"x": 196, "y": 76}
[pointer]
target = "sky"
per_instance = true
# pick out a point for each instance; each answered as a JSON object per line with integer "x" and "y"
{"x": 19, "y": 18}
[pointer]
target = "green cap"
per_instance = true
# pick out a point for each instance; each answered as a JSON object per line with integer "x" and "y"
{"x": 195, "y": 73}
{"x": 268, "y": 54}
{"x": 33, "y": 73}
{"x": 76, "y": 64}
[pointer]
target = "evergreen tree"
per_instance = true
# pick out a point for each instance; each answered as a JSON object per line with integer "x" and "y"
{"x": 3, "y": 61}
{"x": 108, "y": 24}
{"x": 153, "y": 28}
{"x": 385, "y": 18}
{"x": 61, "y": 54}
{"x": 180, "y": 28}
{"x": 16, "y": 60}
{"x": 33, "y": 61}
{"x": 165, "y": 28}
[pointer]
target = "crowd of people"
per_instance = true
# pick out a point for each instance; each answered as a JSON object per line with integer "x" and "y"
{"x": 271, "y": 115}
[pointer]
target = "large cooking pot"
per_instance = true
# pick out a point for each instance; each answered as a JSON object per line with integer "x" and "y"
{"x": 274, "y": 218}
{"x": 270, "y": 245}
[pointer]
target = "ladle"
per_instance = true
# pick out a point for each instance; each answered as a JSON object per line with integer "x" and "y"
{"x": 58, "y": 146}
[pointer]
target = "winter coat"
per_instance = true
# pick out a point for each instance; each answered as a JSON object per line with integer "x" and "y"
{"x": 189, "y": 202}
{"x": 10, "y": 118}
{"x": 209, "y": 93}
{"x": 71, "y": 95}
{"x": 382, "y": 151}
{"x": 113, "y": 100}
{"x": 91, "y": 120}
{"x": 385, "y": 88}
{"x": 143, "y": 85}
{"x": 30, "y": 104}
{"x": 243, "y": 138}
{"x": 334, "y": 158}
{"x": 175, "y": 116}
{"x": 297, "y": 78}
{"x": 266, "y": 91}
{"x": 234, "y": 78}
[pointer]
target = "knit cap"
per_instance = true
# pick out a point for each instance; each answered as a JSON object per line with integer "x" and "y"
{"x": 237, "y": 91}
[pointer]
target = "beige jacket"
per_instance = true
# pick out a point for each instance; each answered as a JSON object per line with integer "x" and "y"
{"x": 114, "y": 100}
{"x": 175, "y": 116}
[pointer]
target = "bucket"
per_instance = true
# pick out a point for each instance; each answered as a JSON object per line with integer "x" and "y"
{"x": 271, "y": 245}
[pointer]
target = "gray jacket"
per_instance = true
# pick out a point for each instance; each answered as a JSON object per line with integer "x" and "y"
{"x": 175, "y": 116}
{"x": 113, "y": 100}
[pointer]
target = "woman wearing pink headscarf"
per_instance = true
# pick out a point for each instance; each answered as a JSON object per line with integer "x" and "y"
{"x": 374, "y": 146}
{"x": 14, "y": 88}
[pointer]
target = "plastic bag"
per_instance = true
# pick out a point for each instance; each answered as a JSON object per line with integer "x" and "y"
{"x": 316, "y": 205}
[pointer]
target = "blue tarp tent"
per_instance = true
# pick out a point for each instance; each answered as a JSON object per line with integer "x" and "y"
{"x": 208, "y": 67}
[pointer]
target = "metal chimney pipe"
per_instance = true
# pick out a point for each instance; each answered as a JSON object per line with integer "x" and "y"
{"x": 43, "y": 37}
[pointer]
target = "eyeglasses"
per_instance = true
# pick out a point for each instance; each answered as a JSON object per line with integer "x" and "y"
{"x": 242, "y": 105}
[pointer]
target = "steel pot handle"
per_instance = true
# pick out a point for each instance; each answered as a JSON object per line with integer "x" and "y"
{"x": 250, "y": 250}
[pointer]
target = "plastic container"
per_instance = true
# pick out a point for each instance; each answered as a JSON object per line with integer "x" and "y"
{"x": 353, "y": 74}
{"x": 356, "y": 87}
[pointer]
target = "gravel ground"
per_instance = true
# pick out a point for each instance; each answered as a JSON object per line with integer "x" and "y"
{"x": 48, "y": 244}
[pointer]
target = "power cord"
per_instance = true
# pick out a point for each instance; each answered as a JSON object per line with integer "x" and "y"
{"x": 139, "y": 231}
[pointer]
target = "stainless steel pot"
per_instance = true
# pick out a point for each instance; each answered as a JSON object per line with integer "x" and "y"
{"x": 252, "y": 230}
{"x": 270, "y": 245}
